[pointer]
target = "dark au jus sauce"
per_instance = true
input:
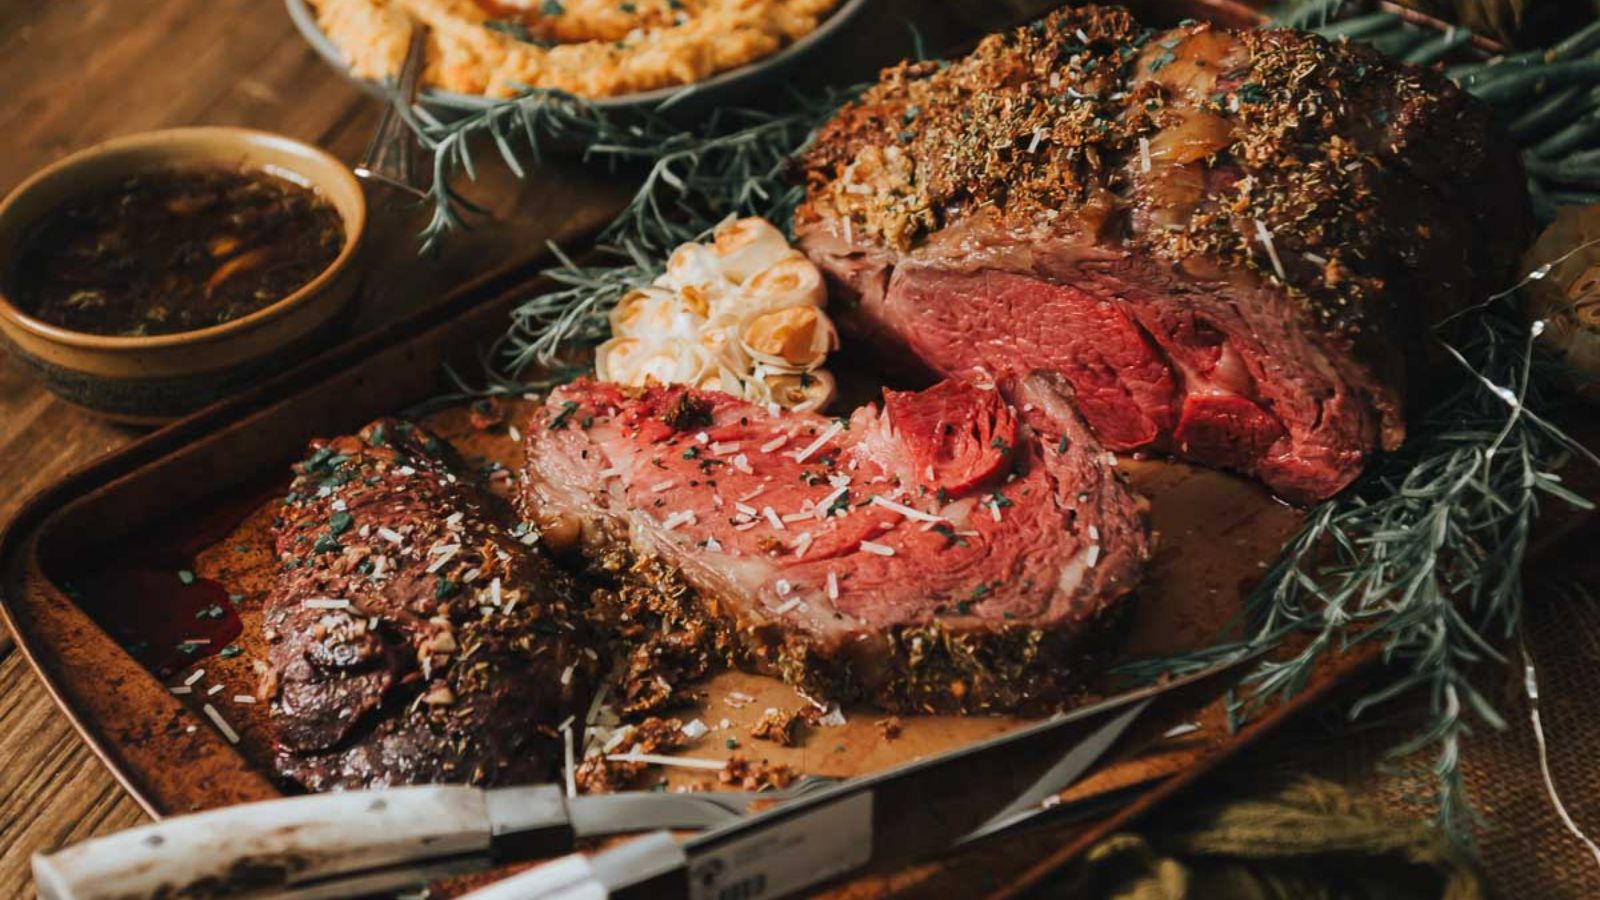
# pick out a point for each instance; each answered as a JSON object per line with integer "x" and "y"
{"x": 174, "y": 250}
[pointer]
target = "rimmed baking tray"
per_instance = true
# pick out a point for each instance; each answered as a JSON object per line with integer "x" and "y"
{"x": 186, "y": 497}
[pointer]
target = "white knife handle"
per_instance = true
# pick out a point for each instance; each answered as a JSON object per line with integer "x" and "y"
{"x": 654, "y": 863}
{"x": 264, "y": 849}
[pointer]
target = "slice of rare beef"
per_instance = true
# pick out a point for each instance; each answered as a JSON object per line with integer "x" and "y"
{"x": 411, "y": 637}
{"x": 1230, "y": 243}
{"x": 961, "y": 548}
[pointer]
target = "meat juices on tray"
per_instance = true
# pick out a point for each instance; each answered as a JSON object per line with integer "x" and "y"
{"x": 957, "y": 550}
{"x": 412, "y": 637}
{"x": 1229, "y": 242}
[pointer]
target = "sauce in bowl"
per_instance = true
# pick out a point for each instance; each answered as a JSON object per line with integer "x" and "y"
{"x": 174, "y": 250}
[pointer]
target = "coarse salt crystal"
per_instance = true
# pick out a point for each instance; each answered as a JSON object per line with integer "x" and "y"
{"x": 446, "y": 553}
{"x": 221, "y": 723}
{"x": 694, "y": 729}
{"x": 906, "y": 511}
{"x": 1265, "y": 237}
{"x": 713, "y": 545}
{"x": 822, "y": 439}
{"x": 783, "y": 587}
{"x": 742, "y": 464}
{"x": 656, "y": 759}
{"x": 827, "y": 502}
{"x": 678, "y": 518}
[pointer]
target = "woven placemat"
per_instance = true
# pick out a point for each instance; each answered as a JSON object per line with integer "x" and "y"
{"x": 1525, "y": 850}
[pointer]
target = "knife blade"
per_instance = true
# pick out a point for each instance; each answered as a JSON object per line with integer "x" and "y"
{"x": 902, "y": 814}
{"x": 328, "y": 845}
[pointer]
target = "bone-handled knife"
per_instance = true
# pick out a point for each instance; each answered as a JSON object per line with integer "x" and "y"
{"x": 910, "y": 812}
{"x": 356, "y": 842}
{"x": 906, "y": 813}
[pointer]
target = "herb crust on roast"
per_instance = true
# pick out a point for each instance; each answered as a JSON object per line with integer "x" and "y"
{"x": 1264, "y": 223}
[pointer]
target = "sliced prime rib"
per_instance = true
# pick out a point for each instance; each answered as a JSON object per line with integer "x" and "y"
{"x": 1230, "y": 243}
{"x": 959, "y": 549}
{"x": 411, "y": 637}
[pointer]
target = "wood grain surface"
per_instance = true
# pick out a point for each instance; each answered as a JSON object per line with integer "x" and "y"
{"x": 79, "y": 71}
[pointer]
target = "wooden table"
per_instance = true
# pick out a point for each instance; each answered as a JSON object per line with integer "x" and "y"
{"x": 79, "y": 71}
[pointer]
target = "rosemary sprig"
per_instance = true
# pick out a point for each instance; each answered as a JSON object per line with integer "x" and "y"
{"x": 735, "y": 165}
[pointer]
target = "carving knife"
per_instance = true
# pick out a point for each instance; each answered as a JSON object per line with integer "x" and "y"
{"x": 903, "y": 814}
{"x": 350, "y": 843}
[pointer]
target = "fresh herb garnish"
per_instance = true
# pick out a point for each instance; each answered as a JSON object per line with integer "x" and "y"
{"x": 949, "y": 534}
{"x": 559, "y": 420}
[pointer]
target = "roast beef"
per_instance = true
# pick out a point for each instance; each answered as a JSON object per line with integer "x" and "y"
{"x": 412, "y": 637}
{"x": 949, "y": 551}
{"x": 1229, "y": 243}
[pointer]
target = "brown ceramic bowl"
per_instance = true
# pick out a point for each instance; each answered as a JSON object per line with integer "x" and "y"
{"x": 152, "y": 379}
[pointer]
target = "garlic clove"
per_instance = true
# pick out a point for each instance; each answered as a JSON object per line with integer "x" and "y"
{"x": 636, "y": 362}
{"x": 616, "y": 359}
{"x": 802, "y": 391}
{"x": 652, "y": 313}
{"x": 747, "y": 246}
{"x": 696, "y": 266}
{"x": 796, "y": 338}
{"x": 791, "y": 281}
